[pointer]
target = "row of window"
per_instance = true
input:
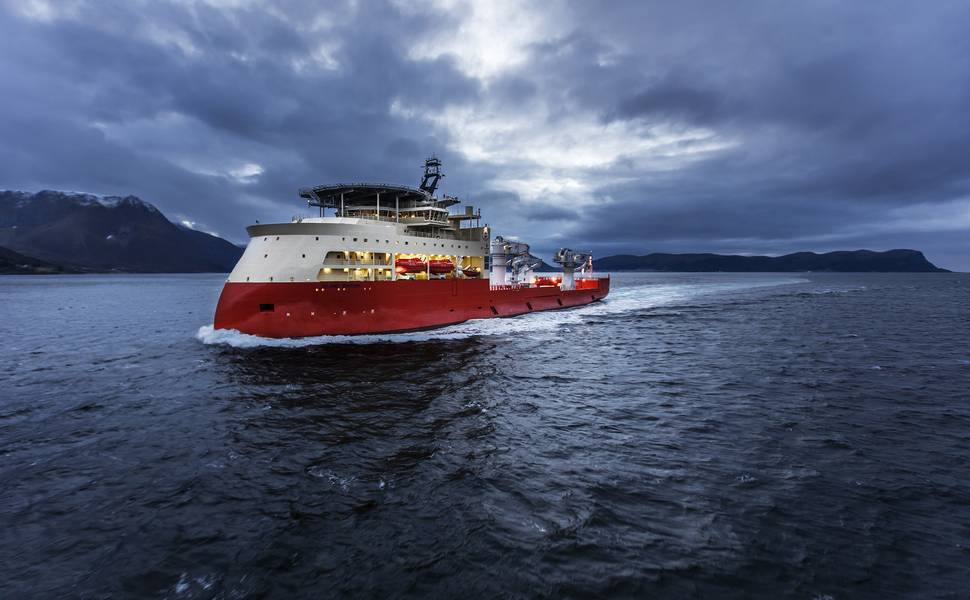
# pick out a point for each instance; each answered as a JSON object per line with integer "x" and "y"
{"x": 406, "y": 243}
{"x": 346, "y": 258}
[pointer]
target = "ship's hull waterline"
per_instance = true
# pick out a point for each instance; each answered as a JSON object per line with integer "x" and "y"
{"x": 308, "y": 309}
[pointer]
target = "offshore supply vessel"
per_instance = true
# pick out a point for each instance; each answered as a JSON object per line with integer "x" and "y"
{"x": 384, "y": 258}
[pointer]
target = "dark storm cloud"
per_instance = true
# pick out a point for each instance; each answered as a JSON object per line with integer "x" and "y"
{"x": 235, "y": 86}
{"x": 544, "y": 212}
{"x": 840, "y": 113}
{"x": 835, "y": 124}
{"x": 669, "y": 100}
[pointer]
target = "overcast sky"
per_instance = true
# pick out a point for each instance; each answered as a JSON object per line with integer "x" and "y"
{"x": 620, "y": 127}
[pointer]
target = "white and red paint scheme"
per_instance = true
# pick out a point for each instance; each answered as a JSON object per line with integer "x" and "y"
{"x": 390, "y": 259}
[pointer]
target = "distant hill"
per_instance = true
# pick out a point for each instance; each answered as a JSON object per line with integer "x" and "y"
{"x": 14, "y": 263}
{"x": 891, "y": 261}
{"x": 107, "y": 234}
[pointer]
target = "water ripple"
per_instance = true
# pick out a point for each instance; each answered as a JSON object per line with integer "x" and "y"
{"x": 703, "y": 435}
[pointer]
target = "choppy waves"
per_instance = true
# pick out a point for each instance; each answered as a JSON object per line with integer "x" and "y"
{"x": 715, "y": 435}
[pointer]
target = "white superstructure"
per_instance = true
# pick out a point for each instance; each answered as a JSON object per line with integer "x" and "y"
{"x": 372, "y": 230}
{"x": 350, "y": 249}
{"x": 381, "y": 232}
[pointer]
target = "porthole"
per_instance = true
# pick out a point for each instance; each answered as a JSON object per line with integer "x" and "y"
{"x": 277, "y": 238}
{"x": 355, "y": 239}
{"x": 264, "y": 239}
{"x": 266, "y": 256}
{"x": 365, "y": 240}
{"x": 317, "y": 238}
{"x": 304, "y": 255}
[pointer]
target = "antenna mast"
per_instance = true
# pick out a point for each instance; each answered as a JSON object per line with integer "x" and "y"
{"x": 432, "y": 175}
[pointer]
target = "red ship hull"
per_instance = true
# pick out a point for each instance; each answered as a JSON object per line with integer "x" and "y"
{"x": 296, "y": 309}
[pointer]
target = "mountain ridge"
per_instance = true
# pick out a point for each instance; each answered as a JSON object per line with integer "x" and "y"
{"x": 107, "y": 233}
{"x": 52, "y": 231}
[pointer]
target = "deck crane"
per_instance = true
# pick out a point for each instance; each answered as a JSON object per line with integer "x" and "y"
{"x": 512, "y": 262}
{"x": 570, "y": 261}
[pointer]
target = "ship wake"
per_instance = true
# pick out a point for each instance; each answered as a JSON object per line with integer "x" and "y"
{"x": 622, "y": 299}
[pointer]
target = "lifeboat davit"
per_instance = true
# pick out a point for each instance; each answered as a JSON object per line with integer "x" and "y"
{"x": 441, "y": 266}
{"x": 410, "y": 265}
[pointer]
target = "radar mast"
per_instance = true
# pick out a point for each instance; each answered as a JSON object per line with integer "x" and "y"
{"x": 432, "y": 175}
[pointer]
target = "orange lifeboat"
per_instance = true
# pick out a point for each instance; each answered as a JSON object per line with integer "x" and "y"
{"x": 410, "y": 265}
{"x": 471, "y": 272}
{"x": 441, "y": 266}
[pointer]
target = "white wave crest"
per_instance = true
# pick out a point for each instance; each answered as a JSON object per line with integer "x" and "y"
{"x": 621, "y": 300}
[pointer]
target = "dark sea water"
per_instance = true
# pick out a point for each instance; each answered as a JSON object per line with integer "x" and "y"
{"x": 694, "y": 436}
